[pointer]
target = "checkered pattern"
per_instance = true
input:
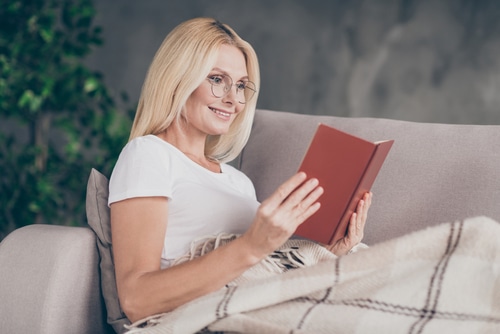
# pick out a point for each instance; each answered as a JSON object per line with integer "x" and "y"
{"x": 445, "y": 279}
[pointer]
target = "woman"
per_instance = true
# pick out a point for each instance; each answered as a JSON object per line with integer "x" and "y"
{"x": 171, "y": 185}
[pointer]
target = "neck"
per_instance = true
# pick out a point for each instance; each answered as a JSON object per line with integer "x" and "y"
{"x": 192, "y": 146}
{"x": 205, "y": 162}
{"x": 185, "y": 139}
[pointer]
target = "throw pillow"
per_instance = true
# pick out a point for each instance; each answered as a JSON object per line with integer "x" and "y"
{"x": 99, "y": 220}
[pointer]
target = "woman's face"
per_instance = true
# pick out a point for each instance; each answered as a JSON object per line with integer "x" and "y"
{"x": 211, "y": 115}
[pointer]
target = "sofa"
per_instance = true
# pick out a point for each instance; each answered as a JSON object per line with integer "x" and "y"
{"x": 59, "y": 279}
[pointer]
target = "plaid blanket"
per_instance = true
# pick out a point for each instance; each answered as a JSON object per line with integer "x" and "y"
{"x": 444, "y": 279}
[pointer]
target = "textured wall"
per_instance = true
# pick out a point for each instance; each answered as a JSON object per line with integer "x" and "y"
{"x": 431, "y": 61}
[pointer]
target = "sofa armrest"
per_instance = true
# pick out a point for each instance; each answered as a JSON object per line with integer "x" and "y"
{"x": 49, "y": 281}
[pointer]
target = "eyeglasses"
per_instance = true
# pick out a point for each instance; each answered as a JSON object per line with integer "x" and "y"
{"x": 222, "y": 84}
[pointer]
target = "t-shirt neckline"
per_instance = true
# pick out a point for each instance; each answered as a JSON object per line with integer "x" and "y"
{"x": 186, "y": 158}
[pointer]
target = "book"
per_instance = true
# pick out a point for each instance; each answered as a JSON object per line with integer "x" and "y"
{"x": 346, "y": 167}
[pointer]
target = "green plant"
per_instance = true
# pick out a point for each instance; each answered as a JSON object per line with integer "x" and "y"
{"x": 57, "y": 118}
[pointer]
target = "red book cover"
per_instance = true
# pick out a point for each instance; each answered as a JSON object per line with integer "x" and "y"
{"x": 346, "y": 167}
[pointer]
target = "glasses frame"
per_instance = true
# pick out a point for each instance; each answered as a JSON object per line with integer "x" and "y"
{"x": 228, "y": 85}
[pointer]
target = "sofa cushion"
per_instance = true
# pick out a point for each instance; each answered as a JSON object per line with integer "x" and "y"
{"x": 434, "y": 172}
{"x": 99, "y": 220}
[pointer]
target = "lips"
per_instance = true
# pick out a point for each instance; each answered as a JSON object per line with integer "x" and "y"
{"x": 220, "y": 113}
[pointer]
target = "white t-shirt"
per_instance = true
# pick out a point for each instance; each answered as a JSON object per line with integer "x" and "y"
{"x": 200, "y": 202}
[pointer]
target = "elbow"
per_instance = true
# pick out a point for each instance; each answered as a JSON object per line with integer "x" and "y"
{"x": 134, "y": 303}
{"x": 131, "y": 306}
{"x": 138, "y": 304}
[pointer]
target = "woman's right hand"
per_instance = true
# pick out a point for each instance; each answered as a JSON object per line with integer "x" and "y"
{"x": 279, "y": 216}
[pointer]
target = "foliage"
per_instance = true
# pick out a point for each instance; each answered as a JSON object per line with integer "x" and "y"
{"x": 57, "y": 118}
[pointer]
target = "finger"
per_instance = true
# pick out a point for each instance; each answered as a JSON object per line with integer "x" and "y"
{"x": 303, "y": 196}
{"x": 285, "y": 189}
{"x": 368, "y": 200}
{"x": 353, "y": 226}
{"x": 364, "y": 210}
{"x": 309, "y": 205}
{"x": 360, "y": 213}
{"x": 356, "y": 224}
{"x": 312, "y": 197}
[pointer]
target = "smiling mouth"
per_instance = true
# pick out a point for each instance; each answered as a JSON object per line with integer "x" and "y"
{"x": 221, "y": 113}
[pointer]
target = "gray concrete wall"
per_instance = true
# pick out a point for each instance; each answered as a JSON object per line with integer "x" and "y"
{"x": 428, "y": 60}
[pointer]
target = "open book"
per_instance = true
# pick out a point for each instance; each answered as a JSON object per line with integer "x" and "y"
{"x": 346, "y": 167}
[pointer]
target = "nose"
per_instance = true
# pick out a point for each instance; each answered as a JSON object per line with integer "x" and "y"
{"x": 231, "y": 95}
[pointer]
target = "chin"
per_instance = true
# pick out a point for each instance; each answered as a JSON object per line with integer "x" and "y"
{"x": 222, "y": 129}
{"x": 219, "y": 133}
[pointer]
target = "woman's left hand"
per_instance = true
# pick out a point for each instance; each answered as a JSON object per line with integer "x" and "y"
{"x": 356, "y": 228}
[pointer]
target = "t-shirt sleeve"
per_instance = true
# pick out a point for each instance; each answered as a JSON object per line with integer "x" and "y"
{"x": 142, "y": 170}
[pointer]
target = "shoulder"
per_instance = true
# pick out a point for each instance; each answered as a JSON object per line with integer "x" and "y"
{"x": 148, "y": 150}
{"x": 145, "y": 145}
{"x": 146, "y": 167}
{"x": 149, "y": 154}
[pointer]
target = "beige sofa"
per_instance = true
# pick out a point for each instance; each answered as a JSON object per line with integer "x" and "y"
{"x": 56, "y": 279}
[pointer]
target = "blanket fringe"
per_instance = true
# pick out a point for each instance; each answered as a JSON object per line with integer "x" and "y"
{"x": 204, "y": 245}
{"x": 295, "y": 253}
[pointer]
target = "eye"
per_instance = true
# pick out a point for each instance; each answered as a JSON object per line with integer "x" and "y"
{"x": 216, "y": 79}
{"x": 241, "y": 85}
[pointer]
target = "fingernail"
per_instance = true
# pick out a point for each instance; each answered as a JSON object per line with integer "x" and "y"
{"x": 314, "y": 182}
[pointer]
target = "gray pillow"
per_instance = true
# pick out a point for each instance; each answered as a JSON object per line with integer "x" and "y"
{"x": 99, "y": 220}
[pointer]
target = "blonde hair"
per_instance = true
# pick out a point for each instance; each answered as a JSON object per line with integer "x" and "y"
{"x": 183, "y": 61}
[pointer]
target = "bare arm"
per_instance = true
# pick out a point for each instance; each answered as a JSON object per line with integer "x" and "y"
{"x": 138, "y": 230}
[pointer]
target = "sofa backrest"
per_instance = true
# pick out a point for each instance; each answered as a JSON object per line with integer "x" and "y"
{"x": 434, "y": 173}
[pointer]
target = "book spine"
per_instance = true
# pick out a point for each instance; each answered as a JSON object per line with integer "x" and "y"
{"x": 365, "y": 184}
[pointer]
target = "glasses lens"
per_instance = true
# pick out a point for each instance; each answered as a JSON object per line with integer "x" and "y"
{"x": 248, "y": 92}
{"x": 222, "y": 84}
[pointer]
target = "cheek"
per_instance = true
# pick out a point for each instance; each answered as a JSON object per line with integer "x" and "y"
{"x": 200, "y": 96}
{"x": 240, "y": 108}
{"x": 203, "y": 94}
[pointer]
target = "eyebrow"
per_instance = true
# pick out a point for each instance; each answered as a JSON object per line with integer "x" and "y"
{"x": 225, "y": 73}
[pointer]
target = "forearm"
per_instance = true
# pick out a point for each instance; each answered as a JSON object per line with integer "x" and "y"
{"x": 145, "y": 294}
